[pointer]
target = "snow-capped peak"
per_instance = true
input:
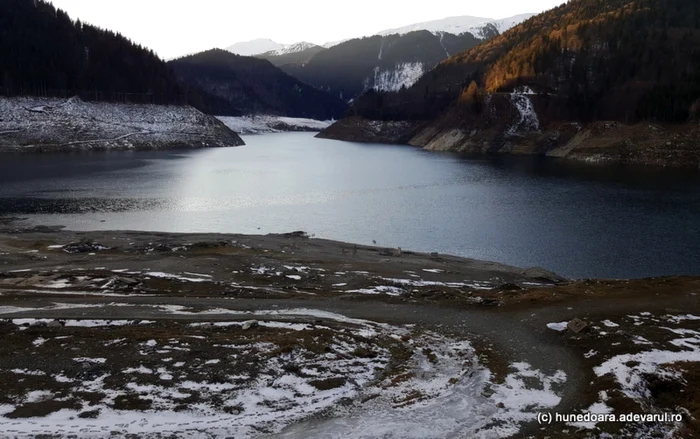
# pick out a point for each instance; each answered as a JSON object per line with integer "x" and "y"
{"x": 460, "y": 25}
{"x": 254, "y": 47}
{"x": 268, "y": 47}
{"x": 291, "y": 48}
{"x": 452, "y": 25}
{"x": 503, "y": 24}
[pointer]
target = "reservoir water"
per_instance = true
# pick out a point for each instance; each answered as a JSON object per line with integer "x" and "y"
{"x": 578, "y": 220}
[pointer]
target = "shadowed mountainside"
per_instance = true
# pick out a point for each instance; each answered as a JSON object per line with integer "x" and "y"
{"x": 254, "y": 86}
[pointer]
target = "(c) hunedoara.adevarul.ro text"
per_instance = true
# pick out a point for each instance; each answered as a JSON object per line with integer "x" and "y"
{"x": 549, "y": 417}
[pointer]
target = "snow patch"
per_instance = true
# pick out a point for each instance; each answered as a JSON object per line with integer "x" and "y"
{"x": 287, "y": 49}
{"x": 173, "y": 276}
{"x": 388, "y": 290}
{"x": 13, "y": 309}
{"x": 629, "y": 369}
{"x": 402, "y": 75}
{"x": 560, "y": 326}
{"x": 460, "y": 25}
{"x": 527, "y": 116}
{"x": 261, "y": 124}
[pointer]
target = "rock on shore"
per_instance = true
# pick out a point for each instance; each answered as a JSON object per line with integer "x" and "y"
{"x": 48, "y": 124}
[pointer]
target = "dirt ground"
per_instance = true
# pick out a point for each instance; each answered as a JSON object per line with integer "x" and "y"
{"x": 96, "y": 322}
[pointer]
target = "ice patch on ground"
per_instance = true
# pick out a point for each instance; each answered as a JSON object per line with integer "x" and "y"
{"x": 79, "y": 323}
{"x": 238, "y": 407}
{"x": 681, "y": 318}
{"x": 14, "y": 309}
{"x": 90, "y": 360}
{"x": 598, "y": 408}
{"x": 388, "y": 290}
{"x": 560, "y": 326}
{"x": 629, "y": 370}
{"x": 162, "y": 275}
{"x": 446, "y": 398}
{"x": 428, "y": 283}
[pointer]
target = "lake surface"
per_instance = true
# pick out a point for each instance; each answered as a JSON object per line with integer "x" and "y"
{"x": 577, "y": 220}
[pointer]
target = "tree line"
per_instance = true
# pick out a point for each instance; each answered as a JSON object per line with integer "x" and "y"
{"x": 45, "y": 53}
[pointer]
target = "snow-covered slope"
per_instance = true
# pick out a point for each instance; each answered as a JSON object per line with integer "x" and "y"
{"x": 452, "y": 25}
{"x": 254, "y": 47}
{"x": 501, "y": 25}
{"x": 50, "y": 124}
{"x": 506, "y": 23}
{"x": 272, "y": 124}
{"x": 402, "y": 75}
{"x": 291, "y": 48}
{"x": 268, "y": 47}
{"x": 460, "y": 25}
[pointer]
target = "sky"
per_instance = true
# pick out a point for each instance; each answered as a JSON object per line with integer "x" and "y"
{"x": 179, "y": 27}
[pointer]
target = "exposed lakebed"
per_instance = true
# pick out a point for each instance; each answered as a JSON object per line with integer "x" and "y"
{"x": 574, "y": 219}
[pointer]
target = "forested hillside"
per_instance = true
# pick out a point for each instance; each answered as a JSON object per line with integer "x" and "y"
{"x": 44, "y": 53}
{"x": 254, "y": 86}
{"x": 587, "y": 60}
{"x": 379, "y": 62}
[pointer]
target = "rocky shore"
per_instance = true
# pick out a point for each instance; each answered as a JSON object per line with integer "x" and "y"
{"x": 210, "y": 335}
{"x": 53, "y": 125}
{"x": 506, "y": 128}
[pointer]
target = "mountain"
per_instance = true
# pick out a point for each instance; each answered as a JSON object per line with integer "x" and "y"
{"x": 44, "y": 52}
{"x": 452, "y": 25}
{"x": 394, "y": 58}
{"x": 548, "y": 82}
{"x": 477, "y": 26}
{"x": 265, "y": 48}
{"x": 299, "y": 53}
{"x": 254, "y": 86}
{"x": 254, "y": 47}
{"x": 291, "y": 48}
{"x": 502, "y": 25}
{"x": 379, "y": 62}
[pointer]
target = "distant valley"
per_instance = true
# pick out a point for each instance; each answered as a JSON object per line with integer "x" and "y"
{"x": 253, "y": 86}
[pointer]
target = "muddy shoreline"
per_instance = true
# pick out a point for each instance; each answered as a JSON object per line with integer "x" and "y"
{"x": 605, "y": 142}
{"x": 180, "y": 297}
